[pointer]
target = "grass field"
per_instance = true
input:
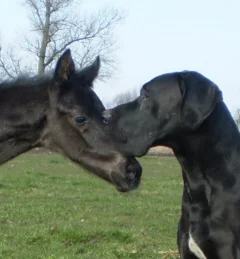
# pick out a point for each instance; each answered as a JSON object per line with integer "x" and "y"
{"x": 51, "y": 208}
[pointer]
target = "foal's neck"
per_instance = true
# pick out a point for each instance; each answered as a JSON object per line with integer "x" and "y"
{"x": 23, "y": 116}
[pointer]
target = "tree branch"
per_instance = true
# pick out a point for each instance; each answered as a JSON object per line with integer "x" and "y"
{"x": 5, "y": 69}
{"x": 54, "y": 28}
{"x": 35, "y": 8}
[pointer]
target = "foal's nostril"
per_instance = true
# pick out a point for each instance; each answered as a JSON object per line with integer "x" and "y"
{"x": 134, "y": 172}
{"x": 131, "y": 176}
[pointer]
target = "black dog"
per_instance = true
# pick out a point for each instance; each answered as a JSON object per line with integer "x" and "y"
{"x": 185, "y": 112}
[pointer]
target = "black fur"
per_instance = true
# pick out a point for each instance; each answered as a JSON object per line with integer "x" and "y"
{"x": 193, "y": 120}
{"x": 40, "y": 111}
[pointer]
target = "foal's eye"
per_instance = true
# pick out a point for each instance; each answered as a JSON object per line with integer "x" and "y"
{"x": 80, "y": 120}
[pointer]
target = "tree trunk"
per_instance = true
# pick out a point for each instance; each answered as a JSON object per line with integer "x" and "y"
{"x": 45, "y": 40}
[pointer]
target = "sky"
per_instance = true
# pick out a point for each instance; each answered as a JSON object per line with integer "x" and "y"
{"x": 157, "y": 37}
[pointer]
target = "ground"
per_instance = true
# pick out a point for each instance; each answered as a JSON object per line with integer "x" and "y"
{"x": 160, "y": 151}
{"x": 51, "y": 208}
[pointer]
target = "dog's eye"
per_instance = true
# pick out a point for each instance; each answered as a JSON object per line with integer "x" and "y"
{"x": 144, "y": 97}
{"x": 80, "y": 120}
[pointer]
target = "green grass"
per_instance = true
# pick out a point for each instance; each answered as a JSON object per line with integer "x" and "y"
{"x": 51, "y": 208}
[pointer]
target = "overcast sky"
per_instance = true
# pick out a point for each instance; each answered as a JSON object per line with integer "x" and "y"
{"x": 160, "y": 36}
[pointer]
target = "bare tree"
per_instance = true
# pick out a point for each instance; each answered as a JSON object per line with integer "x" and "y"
{"x": 11, "y": 66}
{"x": 123, "y": 98}
{"x": 55, "y": 28}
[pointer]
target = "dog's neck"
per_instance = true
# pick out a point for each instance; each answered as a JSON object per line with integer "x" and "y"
{"x": 213, "y": 151}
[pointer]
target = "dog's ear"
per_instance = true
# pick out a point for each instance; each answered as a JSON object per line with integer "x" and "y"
{"x": 200, "y": 96}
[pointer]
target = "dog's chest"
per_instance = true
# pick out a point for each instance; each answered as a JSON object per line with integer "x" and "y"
{"x": 195, "y": 249}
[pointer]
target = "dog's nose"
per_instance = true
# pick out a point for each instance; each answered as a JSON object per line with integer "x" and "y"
{"x": 106, "y": 116}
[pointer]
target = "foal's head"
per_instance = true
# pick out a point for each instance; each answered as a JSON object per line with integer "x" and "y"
{"x": 75, "y": 127}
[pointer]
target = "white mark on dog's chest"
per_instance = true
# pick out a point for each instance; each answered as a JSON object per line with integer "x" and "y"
{"x": 195, "y": 249}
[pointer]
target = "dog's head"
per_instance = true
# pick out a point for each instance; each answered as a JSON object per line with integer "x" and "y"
{"x": 168, "y": 104}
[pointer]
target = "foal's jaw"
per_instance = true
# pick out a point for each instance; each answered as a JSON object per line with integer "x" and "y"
{"x": 124, "y": 174}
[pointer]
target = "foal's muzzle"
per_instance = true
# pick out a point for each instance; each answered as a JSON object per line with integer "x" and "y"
{"x": 131, "y": 179}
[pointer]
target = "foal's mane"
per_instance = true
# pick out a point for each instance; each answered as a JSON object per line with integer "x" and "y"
{"x": 26, "y": 81}
{"x": 36, "y": 81}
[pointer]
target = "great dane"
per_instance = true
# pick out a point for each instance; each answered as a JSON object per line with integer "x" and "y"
{"x": 185, "y": 111}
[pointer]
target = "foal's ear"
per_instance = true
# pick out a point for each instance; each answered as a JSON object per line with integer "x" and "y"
{"x": 65, "y": 66}
{"x": 200, "y": 96}
{"x": 88, "y": 74}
